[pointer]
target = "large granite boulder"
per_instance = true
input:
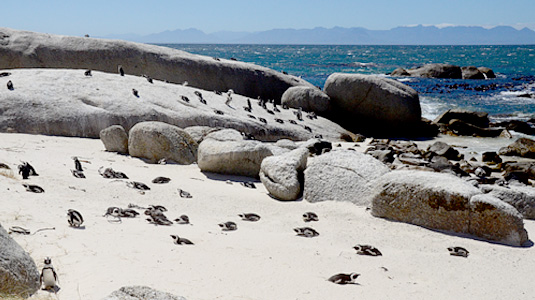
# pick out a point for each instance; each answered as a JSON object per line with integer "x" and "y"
{"x": 399, "y": 72}
{"x": 445, "y": 202}
{"x": 115, "y": 139}
{"x": 141, "y": 293}
{"x": 520, "y": 197}
{"x": 282, "y": 175}
{"x": 472, "y": 72}
{"x": 18, "y": 272}
{"x": 522, "y": 147}
{"x": 459, "y": 127}
{"x": 477, "y": 118}
{"x": 23, "y": 49}
{"x": 495, "y": 220}
{"x": 81, "y": 106}
{"x": 360, "y": 102}
{"x": 157, "y": 140}
{"x": 232, "y": 157}
{"x": 437, "y": 71}
{"x": 341, "y": 175}
{"x": 308, "y": 98}
{"x": 487, "y": 72}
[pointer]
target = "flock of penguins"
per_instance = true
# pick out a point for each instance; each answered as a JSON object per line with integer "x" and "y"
{"x": 155, "y": 214}
{"x": 249, "y": 108}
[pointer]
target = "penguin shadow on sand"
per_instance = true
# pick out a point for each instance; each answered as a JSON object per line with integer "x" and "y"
{"x": 247, "y": 182}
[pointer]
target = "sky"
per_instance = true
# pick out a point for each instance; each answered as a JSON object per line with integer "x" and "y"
{"x": 101, "y": 18}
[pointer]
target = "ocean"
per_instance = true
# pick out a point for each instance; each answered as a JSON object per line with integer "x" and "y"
{"x": 513, "y": 65}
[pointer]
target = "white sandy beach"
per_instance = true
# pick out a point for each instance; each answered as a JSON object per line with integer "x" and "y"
{"x": 261, "y": 261}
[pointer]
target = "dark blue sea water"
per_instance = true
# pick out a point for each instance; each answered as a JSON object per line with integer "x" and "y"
{"x": 514, "y": 66}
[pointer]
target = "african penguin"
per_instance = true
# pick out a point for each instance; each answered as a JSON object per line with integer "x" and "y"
{"x": 120, "y": 70}
{"x": 367, "y": 250}
{"x": 181, "y": 241}
{"x": 138, "y": 185}
{"x": 135, "y": 92}
{"x": 183, "y": 219}
{"x": 306, "y": 232}
{"x": 229, "y": 97}
{"x": 310, "y": 216}
{"x": 228, "y": 226}
{"x": 48, "y": 276}
{"x": 161, "y": 180}
{"x": 458, "y": 251}
{"x": 184, "y": 194}
{"x": 75, "y": 218}
{"x": 248, "y": 184}
{"x": 249, "y": 217}
{"x": 33, "y": 188}
{"x": 344, "y": 278}
{"x": 10, "y": 85}
{"x": 27, "y": 170}
{"x": 88, "y": 73}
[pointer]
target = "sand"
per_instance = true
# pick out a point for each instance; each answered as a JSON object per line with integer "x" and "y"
{"x": 262, "y": 260}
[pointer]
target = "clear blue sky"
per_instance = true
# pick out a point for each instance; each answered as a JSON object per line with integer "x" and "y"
{"x": 99, "y": 18}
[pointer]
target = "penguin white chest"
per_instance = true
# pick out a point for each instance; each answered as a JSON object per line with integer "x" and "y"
{"x": 49, "y": 280}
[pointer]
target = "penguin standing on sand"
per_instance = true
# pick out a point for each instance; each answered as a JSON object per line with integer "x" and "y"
{"x": 48, "y": 276}
{"x": 75, "y": 218}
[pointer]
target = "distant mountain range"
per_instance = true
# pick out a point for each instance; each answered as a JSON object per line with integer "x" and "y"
{"x": 414, "y": 35}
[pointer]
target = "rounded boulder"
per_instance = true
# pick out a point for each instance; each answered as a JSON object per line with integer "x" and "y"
{"x": 361, "y": 99}
{"x": 308, "y": 98}
{"x": 157, "y": 140}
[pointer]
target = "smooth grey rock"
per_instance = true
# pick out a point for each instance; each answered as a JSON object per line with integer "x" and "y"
{"x": 521, "y": 147}
{"x": 432, "y": 200}
{"x": 286, "y": 143}
{"x": 198, "y": 133}
{"x": 445, "y": 202}
{"x": 445, "y": 150}
{"x": 308, "y": 98}
{"x": 398, "y": 72}
{"x": 157, "y": 140}
{"x": 141, "y": 293}
{"x": 520, "y": 197}
{"x": 18, "y": 273}
{"x": 472, "y": 72}
{"x": 232, "y": 157}
{"x": 495, "y": 220}
{"x": 364, "y": 101}
{"x": 341, "y": 175}
{"x": 225, "y": 135}
{"x": 477, "y": 118}
{"x": 489, "y": 73}
{"x": 282, "y": 174}
{"x": 80, "y": 106}
{"x": 437, "y": 71}
{"x": 461, "y": 128}
{"x": 115, "y": 139}
{"x": 24, "y": 49}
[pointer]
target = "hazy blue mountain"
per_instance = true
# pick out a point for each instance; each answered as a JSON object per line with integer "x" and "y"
{"x": 416, "y": 35}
